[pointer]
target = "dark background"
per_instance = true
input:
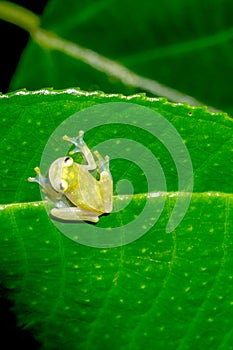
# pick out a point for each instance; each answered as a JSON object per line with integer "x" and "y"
{"x": 13, "y": 41}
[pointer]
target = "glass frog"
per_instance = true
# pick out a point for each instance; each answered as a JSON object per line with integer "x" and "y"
{"x": 70, "y": 186}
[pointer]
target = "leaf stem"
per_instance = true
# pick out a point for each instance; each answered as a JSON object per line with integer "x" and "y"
{"x": 110, "y": 67}
{"x": 31, "y": 23}
{"x": 19, "y": 16}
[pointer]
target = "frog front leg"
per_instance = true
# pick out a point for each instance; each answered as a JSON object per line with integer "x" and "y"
{"x": 81, "y": 147}
{"x": 74, "y": 214}
{"x": 58, "y": 199}
{"x": 105, "y": 181}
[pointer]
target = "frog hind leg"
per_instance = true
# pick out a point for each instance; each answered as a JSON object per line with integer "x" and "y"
{"x": 74, "y": 214}
{"x": 81, "y": 147}
{"x": 105, "y": 181}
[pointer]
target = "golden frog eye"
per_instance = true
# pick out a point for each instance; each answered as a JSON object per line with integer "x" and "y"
{"x": 63, "y": 185}
{"x": 68, "y": 161}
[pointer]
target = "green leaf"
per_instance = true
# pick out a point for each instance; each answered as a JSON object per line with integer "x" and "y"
{"x": 170, "y": 291}
{"x": 186, "y": 47}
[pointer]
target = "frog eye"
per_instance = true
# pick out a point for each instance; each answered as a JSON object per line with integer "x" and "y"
{"x": 68, "y": 161}
{"x": 63, "y": 185}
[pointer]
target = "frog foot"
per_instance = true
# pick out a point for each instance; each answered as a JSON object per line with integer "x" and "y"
{"x": 77, "y": 141}
{"x": 40, "y": 179}
{"x": 103, "y": 163}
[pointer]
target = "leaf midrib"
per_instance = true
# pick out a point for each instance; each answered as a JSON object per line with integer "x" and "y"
{"x": 213, "y": 194}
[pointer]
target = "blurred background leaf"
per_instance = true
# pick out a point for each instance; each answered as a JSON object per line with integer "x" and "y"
{"x": 184, "y": 45}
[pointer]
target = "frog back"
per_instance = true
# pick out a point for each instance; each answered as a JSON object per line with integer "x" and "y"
{"x": 85, "y": 191}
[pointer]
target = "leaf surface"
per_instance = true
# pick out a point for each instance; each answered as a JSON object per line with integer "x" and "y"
{"x": 170, "y": 291}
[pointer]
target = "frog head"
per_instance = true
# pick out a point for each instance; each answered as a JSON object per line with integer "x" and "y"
{"x": 59, "y": 173}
